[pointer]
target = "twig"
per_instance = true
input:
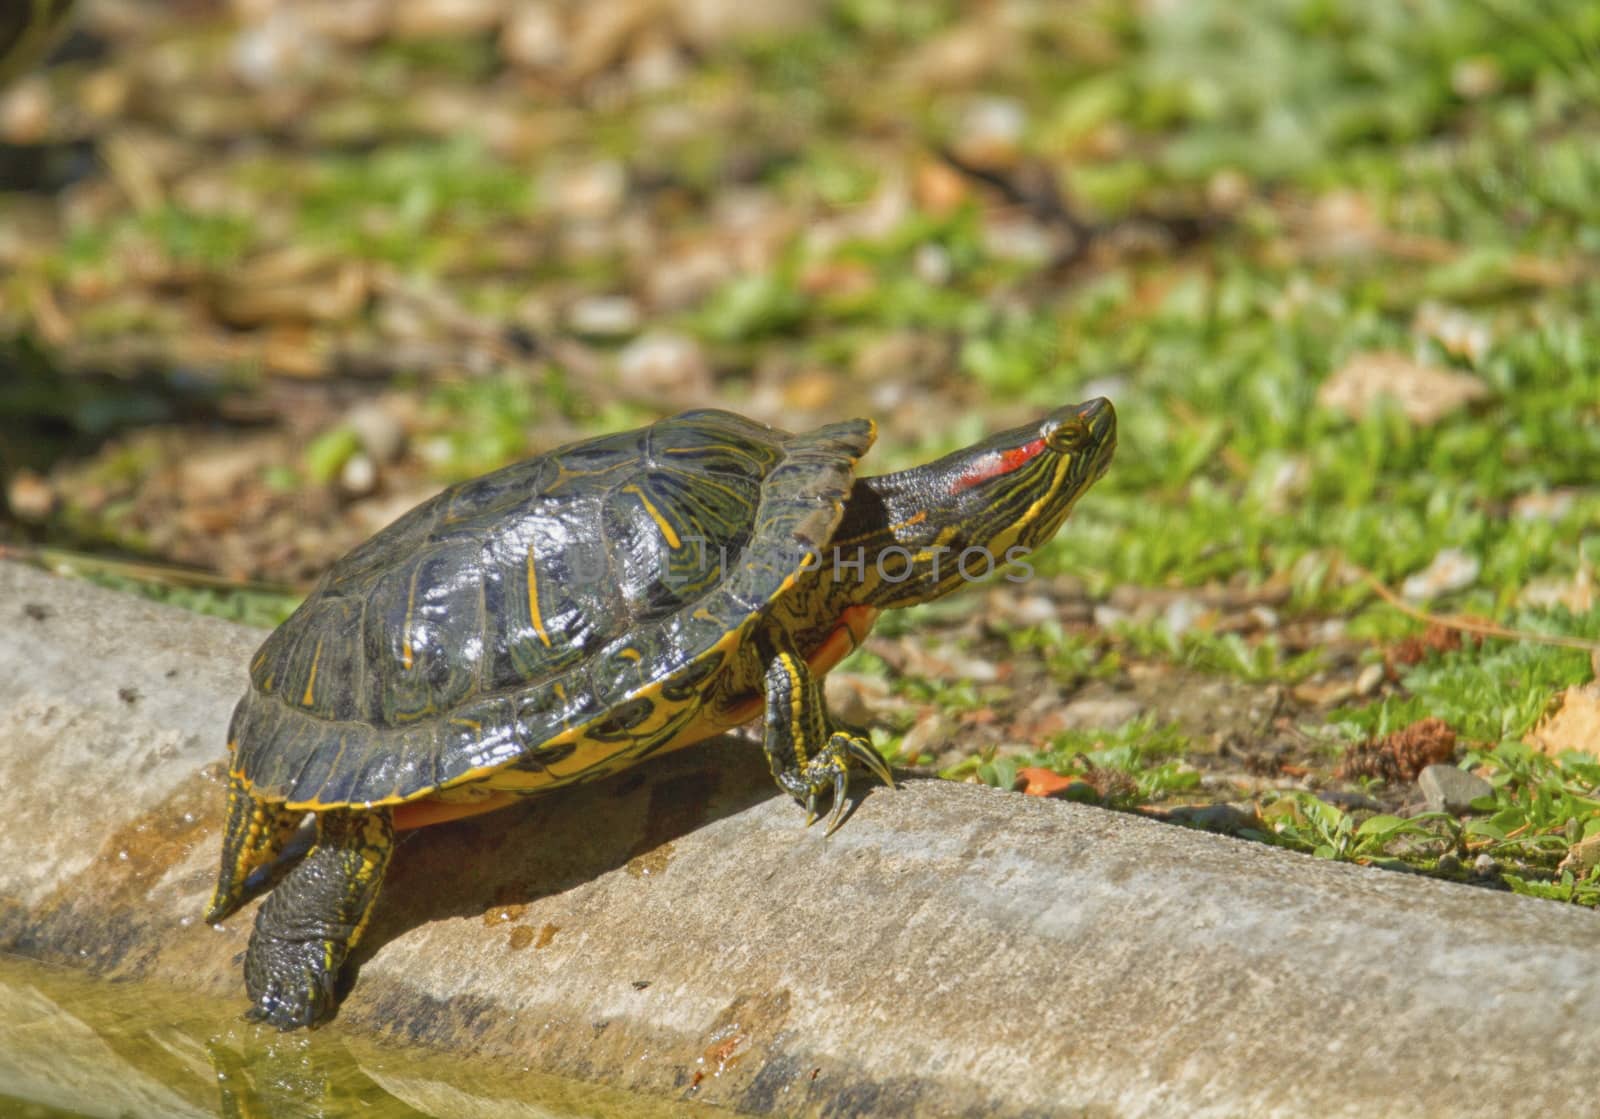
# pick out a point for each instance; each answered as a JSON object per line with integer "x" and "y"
{"x": 1469, "y": 625}
{"x": 1035, "y": 188}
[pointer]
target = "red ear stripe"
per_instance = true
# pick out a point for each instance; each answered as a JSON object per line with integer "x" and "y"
{"x": 995, "y": 464}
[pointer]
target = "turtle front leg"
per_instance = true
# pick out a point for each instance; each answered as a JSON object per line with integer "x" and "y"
{"x": 809, "y": 751}
{"x": 307, "y": 926}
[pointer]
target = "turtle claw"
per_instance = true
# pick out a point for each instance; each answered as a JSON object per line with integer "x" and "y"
{"x": 829, "y": 772}
{"x": 864, "y": 752}
{"x": 841, "y": 785}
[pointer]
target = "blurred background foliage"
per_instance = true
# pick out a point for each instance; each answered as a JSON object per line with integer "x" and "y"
{"x": 272, "y": 272}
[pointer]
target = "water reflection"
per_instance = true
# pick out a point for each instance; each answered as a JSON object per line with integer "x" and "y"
{"x": 73, "y": 1047}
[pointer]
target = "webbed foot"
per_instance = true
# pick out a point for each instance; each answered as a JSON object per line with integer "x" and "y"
{"x": 292, "y": 983}
{"x": 308, "y": 924}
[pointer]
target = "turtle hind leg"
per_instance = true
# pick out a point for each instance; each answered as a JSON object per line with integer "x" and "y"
{"x": 309, "y": 923}
{"x": 254, "y": 832}
{"x": 810, "y": 752}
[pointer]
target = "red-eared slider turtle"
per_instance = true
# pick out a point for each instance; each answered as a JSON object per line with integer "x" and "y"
{"x": 566, "y": 617}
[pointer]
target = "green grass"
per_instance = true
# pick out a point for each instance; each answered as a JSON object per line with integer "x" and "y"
{"x": 1522, "y": 834}
{"x": 264, "y": 609}
{"x": 1491, "y": 694}
{"x": 1146, "y": 754}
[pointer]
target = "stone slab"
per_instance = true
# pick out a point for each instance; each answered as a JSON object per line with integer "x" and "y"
{"x": 951, "y": 951}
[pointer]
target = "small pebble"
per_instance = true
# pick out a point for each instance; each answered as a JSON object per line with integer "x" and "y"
{"x": 276, "y": 51}
{"x": 1543, "y": 505}
{"x": 899, "y": 354}
{"x": 1449, "y": 788}
{"x": 594, "y": 190}
{"x": 1451, "y": 570}
{"x": 1018, "y": 239}
{"x": 687, "y": 276}
{"x": 446, "y": 19}
{"x": 30, "y": 496}
{"x": 1100, "y": 713}
{"x": 990, "y": 131}
{"x": 348, "y": 22}
{"x": 1459, "y": 333}
{"x": 1034, "y": 609}
{"x": 1287, "y": 480}
{"x": 661, "y": 362}
{"x": 655, "y": 64}
{"x": 605, "y": 316}
{"x": 1180, "y": 616}
{"x": 1485, "y": 867}
{"x": 1106, "y": 615}
{"x": 358, "y": 476}
{"x": 1227, "y": 191}
{"x": 25, "y": 112}
{"x": 533, "y": 37}
{"x": 1448, "y": 863}
{"x": 1476, "y": 77}
{"x": 1371, "y": 676}
{"x": 381, "y": 435}
{"x": 931, "y": 264}
{"x": 104, "y": 93}
{"x": 855, "y": 699}
{"x": 1265, "y": 617}
{"x": 931, "y": 736}
{"x": 707, "y": 24}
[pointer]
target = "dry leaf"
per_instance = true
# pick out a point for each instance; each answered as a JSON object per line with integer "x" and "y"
{"x": 1436, "y": 639}
{"x": 243, "y": 299}
{"x": 1460, "y": 334}
{"x": 1036, "y": 781}
{"x": 1576, "y": 726}
{"x": 1424, "y": 393}
{"x": 1576, "y": 594}
{"x": 1582, "y": 857}
{"x": 1451, "y": 570}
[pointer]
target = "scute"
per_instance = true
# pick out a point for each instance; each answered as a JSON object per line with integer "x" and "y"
{"x": 571, "y": 593}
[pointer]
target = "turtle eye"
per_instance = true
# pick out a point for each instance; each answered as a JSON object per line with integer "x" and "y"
{"x": 1069, "y": 437}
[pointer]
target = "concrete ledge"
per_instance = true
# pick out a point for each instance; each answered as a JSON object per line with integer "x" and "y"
{"x": 950, "y": 951}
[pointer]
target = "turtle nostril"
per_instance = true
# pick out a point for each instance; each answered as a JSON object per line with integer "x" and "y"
{"x": 1095, "y": 409}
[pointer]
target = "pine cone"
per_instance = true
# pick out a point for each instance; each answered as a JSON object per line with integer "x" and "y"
{"x": 1402, "y": 755}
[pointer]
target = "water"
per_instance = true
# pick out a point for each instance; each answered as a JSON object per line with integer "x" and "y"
{"x": 72, "y": 1047}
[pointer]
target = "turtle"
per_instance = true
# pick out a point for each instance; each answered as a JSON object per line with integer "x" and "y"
{"x": 574, "y": 614}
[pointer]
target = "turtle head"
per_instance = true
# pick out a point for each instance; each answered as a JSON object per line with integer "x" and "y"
{"x": 970, "y": 513}
{"x": 1029, "y": 477}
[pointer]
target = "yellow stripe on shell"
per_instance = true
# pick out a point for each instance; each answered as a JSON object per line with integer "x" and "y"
{"x": 667, "y": 531}
{"x": 309, "y": 698}
{"x": 535, "y": 617}
{"x": 406, "y": 653}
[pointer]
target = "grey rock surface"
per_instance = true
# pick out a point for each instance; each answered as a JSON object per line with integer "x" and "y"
{"x": 1448, "y": 788}
{"x": 951, "y": 951}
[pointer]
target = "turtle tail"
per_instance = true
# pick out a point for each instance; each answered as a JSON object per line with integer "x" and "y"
{"x": 254, "y": 833}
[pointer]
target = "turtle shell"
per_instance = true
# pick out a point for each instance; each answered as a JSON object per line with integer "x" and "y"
{"x": 581, "y": 596}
